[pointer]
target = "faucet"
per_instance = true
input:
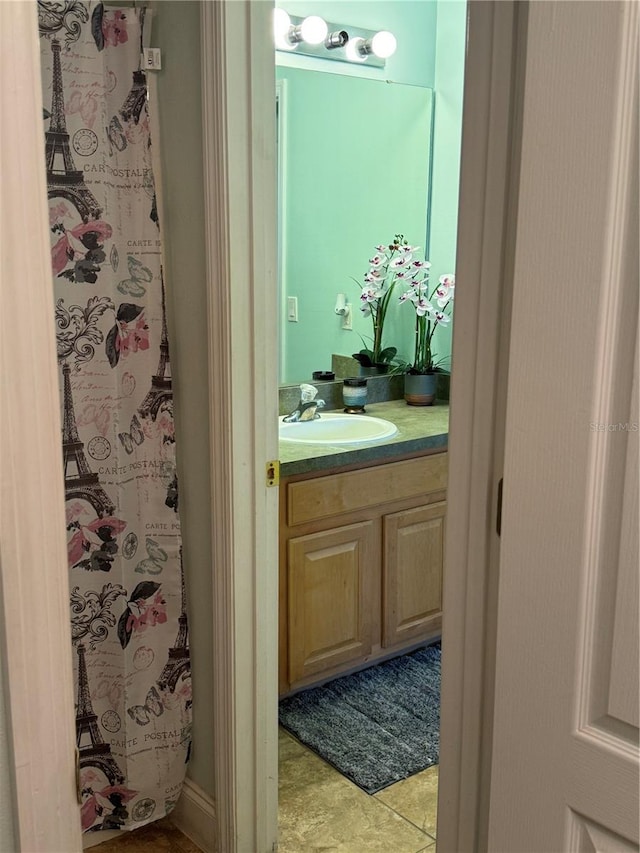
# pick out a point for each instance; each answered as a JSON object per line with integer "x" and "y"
{"x": 307, "y": 408}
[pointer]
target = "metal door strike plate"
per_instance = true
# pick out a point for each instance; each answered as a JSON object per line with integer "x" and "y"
{"x": 273, "y": 472}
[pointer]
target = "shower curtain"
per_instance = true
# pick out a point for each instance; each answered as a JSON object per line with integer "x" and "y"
{"x": 127, "y": 609}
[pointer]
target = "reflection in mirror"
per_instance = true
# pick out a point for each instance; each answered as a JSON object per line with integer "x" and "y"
{"x": 354, "y": 164}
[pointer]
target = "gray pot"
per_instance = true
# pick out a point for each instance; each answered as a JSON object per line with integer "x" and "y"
{"x": 420, "y": 388}
{"x": 374, "y": 370}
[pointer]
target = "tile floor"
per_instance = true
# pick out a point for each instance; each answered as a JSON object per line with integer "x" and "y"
{"x": 158, "y": 837}
{"x": 321, "y": 811}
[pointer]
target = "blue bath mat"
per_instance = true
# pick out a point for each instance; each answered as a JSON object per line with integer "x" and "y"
{"x": 377, "y": 726}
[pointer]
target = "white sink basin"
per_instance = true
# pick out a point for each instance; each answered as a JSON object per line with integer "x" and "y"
{"x": 337, "y": 428}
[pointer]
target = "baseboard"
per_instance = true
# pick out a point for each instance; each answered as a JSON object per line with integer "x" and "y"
{"x": 195, "y": 816}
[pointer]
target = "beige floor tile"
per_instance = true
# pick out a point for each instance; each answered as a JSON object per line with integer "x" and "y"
{"x": 322, "y": 812}
{"x": 415, "y": 798}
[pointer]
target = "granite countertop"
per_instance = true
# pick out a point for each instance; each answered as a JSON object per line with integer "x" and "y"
{"x": 419, "y": 428}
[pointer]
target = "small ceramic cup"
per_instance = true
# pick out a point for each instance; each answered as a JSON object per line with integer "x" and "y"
{"x": 354, "y": 394}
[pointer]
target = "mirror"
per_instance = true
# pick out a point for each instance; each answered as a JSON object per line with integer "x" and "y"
{"x": 354, "y": 160}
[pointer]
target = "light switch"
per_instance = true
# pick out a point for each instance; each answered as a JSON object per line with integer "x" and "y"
{"x": 292, "y": 309}
{"x": 151, "y": 59}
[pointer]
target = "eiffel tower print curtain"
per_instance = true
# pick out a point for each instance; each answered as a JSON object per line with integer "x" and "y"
{"x": 127, "y": 609}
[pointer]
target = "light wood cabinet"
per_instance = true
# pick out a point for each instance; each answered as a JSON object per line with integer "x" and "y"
{"x": 361, "y": 556}
{"x": 412, "y": 574}
{"x": 333, "y": 586}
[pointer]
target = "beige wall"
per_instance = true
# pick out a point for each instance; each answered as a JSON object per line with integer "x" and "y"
{"x": 176, "y": 30}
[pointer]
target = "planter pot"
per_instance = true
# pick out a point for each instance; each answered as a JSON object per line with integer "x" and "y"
{"x": 420, "y": 388}
{"x": 374, "y": 370}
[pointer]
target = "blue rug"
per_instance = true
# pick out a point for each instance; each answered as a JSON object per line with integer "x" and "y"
{"x": 377, "y": 726}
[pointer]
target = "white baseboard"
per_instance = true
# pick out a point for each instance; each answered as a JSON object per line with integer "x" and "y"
{"x": 195, "y": 816}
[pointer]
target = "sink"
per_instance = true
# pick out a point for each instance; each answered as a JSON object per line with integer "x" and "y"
{"x": 337, "y": 428}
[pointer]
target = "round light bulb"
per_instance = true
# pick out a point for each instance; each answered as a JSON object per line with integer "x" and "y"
{"x": 281, "y": 23}
{"x": 352, "y": 51}
{"x": 281, "y": 27}
{"x": 314, "y": 29}
{"x": 384, "y": 44}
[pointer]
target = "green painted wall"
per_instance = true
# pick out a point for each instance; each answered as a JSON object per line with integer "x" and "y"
{"x": 449, "y": 82}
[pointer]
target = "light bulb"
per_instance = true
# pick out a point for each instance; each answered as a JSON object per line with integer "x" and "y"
{"x": 281, "y": 23}
{"x": 314, "y": 29}
{"x": 281, "y": 27}
{"x": 353, "y": 50}
{"x": 384, "y": 44}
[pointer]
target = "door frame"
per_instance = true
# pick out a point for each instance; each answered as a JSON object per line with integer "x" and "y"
{"x": 240, "y": 200}
{"x": 238, "y": 84}
{"x": 490, "y": 171}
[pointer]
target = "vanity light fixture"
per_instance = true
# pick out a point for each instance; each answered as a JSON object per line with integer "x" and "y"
{"x": 313, "y": 36}
{"x": 337, "y": 39}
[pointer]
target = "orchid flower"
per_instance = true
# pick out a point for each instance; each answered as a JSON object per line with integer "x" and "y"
{"x": 428, "y": 317}
{"x": 388, "y": 265}
{"x": 400, "y": 260}
{"x": 423, "y": 306}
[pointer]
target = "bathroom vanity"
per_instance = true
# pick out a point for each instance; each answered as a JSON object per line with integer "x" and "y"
{"x": 361, "y": 549}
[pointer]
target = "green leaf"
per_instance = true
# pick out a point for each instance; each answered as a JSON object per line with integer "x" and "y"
{"x": 387, "y": 354}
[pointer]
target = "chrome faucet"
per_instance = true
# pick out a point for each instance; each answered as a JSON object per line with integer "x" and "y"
{"x": 307, "y": 408}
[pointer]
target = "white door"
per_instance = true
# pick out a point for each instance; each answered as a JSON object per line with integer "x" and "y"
{"x": 565, "y": 753}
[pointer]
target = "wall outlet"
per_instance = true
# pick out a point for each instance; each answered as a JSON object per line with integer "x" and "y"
{"x": 292, "y": 309}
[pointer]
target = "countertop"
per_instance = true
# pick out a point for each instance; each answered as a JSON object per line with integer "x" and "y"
{"x": 419, "y": 428}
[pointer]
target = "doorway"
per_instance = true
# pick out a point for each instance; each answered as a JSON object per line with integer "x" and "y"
{"x": 330, "y": 104}
{"x": 245, "y": 595}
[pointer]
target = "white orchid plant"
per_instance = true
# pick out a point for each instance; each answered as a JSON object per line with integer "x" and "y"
{"x": 432, "y": 310}
{"x": 389, "y": 265}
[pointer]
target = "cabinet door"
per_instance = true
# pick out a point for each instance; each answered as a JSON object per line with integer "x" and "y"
{"x": 334, "y": 600}
{"x": 412, "y": 573}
